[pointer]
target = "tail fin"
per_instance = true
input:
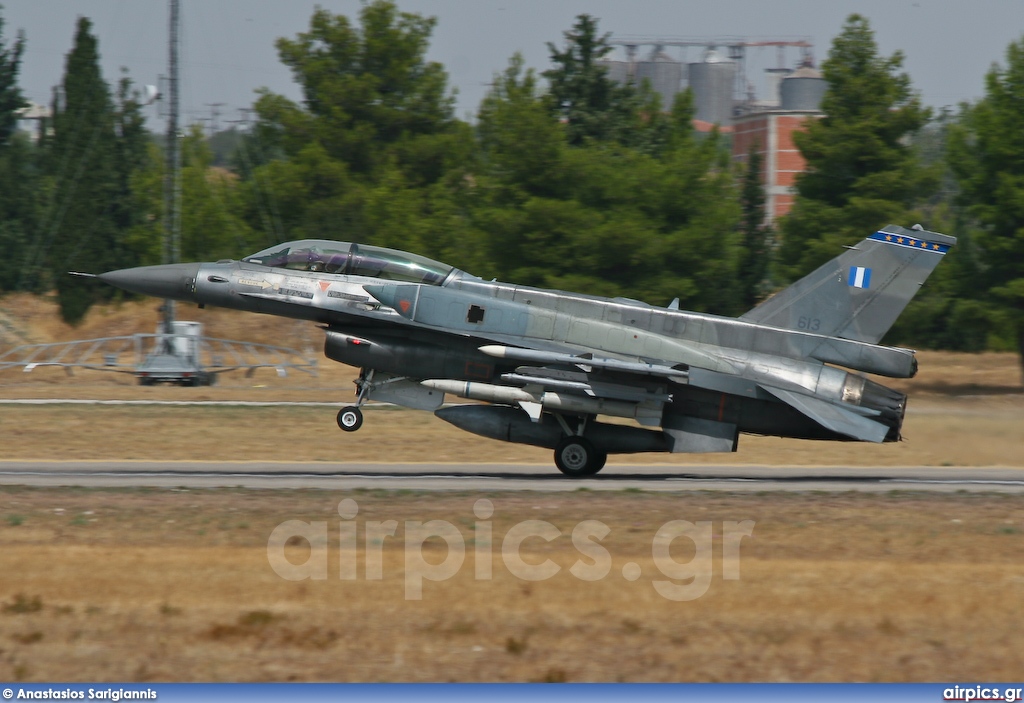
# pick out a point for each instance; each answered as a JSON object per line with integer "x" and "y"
{"x": 860, "y": 293}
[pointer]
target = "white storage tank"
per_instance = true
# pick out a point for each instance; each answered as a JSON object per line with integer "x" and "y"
{"x": 712, "y": 82}
{"x": 803, "y": 89}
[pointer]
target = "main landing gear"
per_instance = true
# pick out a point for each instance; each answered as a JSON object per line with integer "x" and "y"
{"x": 576, "y": 456}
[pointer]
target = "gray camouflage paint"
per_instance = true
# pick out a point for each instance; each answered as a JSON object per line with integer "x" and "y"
{"x": 779, "y": 351}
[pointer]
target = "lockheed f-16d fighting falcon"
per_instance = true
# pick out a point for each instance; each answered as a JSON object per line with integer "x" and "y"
{"x": 548, "y": 362}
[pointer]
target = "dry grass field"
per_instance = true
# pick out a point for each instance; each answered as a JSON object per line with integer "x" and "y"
{"x": 154, "y": 585}
{"x": 176, "y": 585}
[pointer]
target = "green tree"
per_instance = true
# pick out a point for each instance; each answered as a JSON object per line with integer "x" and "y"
{"x": 18, "y": 175}
{"x": 861, "y": 174}
{"x": 130, "y": 154}
{"x": 20, "y": 184}
{"x": 698, "y": 247}
{"x": 987, "y": 156}
{"x": 952, "y": 310}
{"x": 508, "y": 176}
{"x": 754, "y": 252}
{"x": 371, "y": 86}
{"x": 225, "y": 145}
{"x": 581, "y": 95}
{"x": 602, "y": 217}
{"x": 11, "y": 99}
{"x": 82, "y": 233}
{"x": 212, "y": 226}
{"x": 512, "y": 115}
{"x": 98, "y": 143}
{"x": 375, "y": 114}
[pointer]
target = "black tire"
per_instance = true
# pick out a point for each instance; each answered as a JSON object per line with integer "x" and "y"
{"x": 602, "y": 459}
{"x": 577, "y": 457}
{"x": 350, "y": 419}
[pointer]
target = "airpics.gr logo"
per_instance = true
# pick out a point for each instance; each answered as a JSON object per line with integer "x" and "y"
{"x": 683, "y": 580}
{"x": 981, "y": 693}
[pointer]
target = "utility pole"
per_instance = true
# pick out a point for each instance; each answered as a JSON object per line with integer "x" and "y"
{"x": 214, "y": 116}
{"x": 172, "y": 171}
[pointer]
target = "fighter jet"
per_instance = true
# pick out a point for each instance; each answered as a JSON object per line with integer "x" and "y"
{"x": 549, "y": 363}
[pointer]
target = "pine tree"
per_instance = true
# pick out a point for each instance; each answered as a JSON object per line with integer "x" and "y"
{"x": 11, "y": 99}
{"x": 754, "y": 252}
{"x": 18, "y": 180}
{"x": 130, "y": 156}
{"x": 19, "y": 188}
{"x": 603, "y": 217}
{"x": 375, "y": 113}
{"x": 81, "y": 216}
{"x": 861, "y": 174}
{"x": 987, "y": 156}
{"x": 581, "y": 95}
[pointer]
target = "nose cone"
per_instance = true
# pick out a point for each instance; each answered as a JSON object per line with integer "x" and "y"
{"x": 177, "y": 281}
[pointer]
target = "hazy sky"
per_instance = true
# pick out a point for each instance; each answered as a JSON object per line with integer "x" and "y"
{"x": 228, "y": 45}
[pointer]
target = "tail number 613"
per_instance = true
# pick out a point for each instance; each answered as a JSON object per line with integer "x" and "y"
{"x": 811, "y": 324}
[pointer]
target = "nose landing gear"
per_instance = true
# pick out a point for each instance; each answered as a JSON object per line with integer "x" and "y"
{"x": 350, "y": 418}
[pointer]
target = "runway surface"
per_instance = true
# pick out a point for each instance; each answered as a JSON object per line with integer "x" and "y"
{"x": 506, "y": 477}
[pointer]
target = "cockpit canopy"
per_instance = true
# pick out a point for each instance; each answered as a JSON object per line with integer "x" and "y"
{"x": 352, "y": 260}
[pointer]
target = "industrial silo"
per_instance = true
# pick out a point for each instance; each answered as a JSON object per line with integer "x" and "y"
{"x": 712, "y": 82}
{"x": 664, "y": 73}
{"x": 803, "y": 89}
{"x": 773, "y": 78}
{"x": 618, "y": 71}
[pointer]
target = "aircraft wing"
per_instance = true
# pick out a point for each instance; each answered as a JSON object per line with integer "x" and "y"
{"x": 831, "y": 416}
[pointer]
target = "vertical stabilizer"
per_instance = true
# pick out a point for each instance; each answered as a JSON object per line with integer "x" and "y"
{"x": 860, "y": 293}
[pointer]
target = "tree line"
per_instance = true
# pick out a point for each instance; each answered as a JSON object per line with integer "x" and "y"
{"x": 565, "y": 178}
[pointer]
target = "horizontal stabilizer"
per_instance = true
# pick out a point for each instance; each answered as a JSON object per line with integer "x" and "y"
{"x": 832, "y": 417}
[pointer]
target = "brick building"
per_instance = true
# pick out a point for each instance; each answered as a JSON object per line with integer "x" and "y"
{"x": 771, "y": 128}
{"x": 772, "y": 132}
